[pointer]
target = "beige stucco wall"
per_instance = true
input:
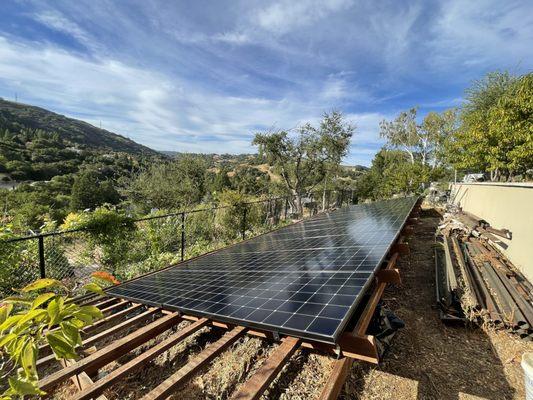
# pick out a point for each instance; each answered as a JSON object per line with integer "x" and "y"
{"x": 503, "y": 206}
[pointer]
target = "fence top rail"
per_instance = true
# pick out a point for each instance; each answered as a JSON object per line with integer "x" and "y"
{"x": 149, "y": 218}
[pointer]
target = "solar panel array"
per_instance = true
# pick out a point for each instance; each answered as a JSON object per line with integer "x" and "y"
{"x": 303, "y": 280}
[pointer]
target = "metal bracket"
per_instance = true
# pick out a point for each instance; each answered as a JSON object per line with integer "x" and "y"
{"x": 389, "y": 276}
{"x": 338, "y": 351}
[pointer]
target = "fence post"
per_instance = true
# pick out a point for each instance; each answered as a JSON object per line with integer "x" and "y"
{"x": 286, "y": 207}
{"x": 244, "y": 223}
{"x": 42, "y": 266}
{"x": 182, "y": 236}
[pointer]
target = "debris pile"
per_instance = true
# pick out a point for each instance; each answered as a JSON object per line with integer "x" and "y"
{"x": 475, "y": 282}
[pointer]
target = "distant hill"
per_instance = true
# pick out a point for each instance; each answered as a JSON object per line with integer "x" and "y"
{"x": 217, "y": 158}
{"x": 248, "y": 159}
{"x": 14, "y": 116}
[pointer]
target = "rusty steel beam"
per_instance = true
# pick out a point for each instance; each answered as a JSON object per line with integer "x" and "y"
{"x": 138, "y": 362}
{"x": 258, "y": 383}
{"x": 170, "y": 384}
{"x": 110, "y": 352}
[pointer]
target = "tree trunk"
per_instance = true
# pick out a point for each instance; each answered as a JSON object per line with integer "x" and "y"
{"x": 494, "y": 174}
{"x": 412, "y": 157}
{"x": 296, "y": 203}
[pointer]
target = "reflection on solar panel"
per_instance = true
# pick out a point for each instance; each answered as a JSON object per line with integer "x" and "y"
{"x": 303, "y": 280}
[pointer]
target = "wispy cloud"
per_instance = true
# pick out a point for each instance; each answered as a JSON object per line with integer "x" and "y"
{"x": 181, "y": 76}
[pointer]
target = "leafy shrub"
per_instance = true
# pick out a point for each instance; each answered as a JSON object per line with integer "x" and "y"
{"x": 153, "y": 262}
{"x": 231, "y": 219}
{"x": 34, "y": 318}
{"x": 109, "y": 231}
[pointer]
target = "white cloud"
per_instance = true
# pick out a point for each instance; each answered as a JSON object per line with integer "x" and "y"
{"x": 187, "y": 77}
{"x": 232, "y": 38}
{"x": 56, "y": 21}
{"x": 151, "y": 108}
{"x": 285, "y": 16}
{"x": 483, "y": 34}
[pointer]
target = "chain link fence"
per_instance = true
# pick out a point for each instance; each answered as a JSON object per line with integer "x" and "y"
{"x": 155, "y": 242}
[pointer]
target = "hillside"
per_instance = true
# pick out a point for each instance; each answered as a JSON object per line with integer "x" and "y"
{"x": 14, "y": 116}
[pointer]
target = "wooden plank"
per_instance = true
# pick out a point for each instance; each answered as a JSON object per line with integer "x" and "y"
{"x": 336, "y": 380}
{"x": 359, "y": 347}
{"x": 82, "y": 381}
{"x": 402, "y": 248}
{"x": 113, "y": 307}
{"x": 111, "y": 318}
{"x": 120, "y": 327}
{"x": 106, "y": 302}
{"x": 140, "y": 361}
{"x": 112, "y": 351}
{"x": 99, "y": 336}
{"x": 389, "y": 276}
{"x": 224, "y": 325}
{"x": 259, "y": 382}
{"x": 166, "y": 388}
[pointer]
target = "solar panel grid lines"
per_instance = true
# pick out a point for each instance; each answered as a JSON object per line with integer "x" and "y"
{"x": 304, "y": 279}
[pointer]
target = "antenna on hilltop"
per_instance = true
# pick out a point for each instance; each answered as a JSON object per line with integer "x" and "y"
{"x": 100, "y": 124}
{"x": 16, "y": 97}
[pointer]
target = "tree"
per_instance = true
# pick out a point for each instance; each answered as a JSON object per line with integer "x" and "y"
{"x": 402, "y": 132}
{"x": 335, "y": 135}
{"x": 438, "y": 128}
{"x": 169, "y": 186}
{"x": 250, "y": 180}
{"x": 510, "y": 123}
{"x": 423, "y": 142}
{"x": 496, "y": 126}
{"x": 297, "y": 158}
{"x": 392, "y": 172}
{"x": 221, "y": 180}
{"x": 88, "y": 191}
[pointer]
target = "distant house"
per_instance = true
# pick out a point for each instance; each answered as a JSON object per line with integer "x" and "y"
{"x": 474, "y": 177}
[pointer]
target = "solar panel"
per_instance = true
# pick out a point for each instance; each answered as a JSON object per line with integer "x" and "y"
{"x": 304, "y": 280}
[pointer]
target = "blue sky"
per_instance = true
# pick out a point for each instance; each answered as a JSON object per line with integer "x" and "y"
{"x": 203, "y": 76}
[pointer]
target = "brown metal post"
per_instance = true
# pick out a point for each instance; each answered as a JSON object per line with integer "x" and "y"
{"x": 42, "y": 265}
{"x": 182, "y": 236}
{"x": 244, "y": 223}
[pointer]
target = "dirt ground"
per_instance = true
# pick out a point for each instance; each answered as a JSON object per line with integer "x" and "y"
{"x": 427, "y": 360}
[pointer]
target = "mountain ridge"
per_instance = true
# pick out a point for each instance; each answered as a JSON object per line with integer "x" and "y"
{"x": 76, "y": 131}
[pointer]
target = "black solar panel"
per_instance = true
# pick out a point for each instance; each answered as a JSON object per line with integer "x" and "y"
{"x": 304, "y": 279}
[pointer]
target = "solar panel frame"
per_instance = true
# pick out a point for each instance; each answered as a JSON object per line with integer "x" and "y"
{"x": 240, "y": 316}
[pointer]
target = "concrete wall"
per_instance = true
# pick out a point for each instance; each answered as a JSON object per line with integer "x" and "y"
{"x": 503, "y": 205}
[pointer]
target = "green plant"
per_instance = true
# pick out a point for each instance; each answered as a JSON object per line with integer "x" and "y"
{"x": 39, "y": 316}
{"x": 108, "y": 230}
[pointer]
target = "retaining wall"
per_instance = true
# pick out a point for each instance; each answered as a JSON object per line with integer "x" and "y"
{"x": 503, "y": 205}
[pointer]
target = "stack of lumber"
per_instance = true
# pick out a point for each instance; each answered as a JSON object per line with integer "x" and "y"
{"x": 475, "y": 281}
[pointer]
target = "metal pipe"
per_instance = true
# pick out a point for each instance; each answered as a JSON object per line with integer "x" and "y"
{"x": 525, "y": 307}
{"x": 467, "y": 275}
{"x": 488, "y": 302}
{"x": 510, "y": 310}
{"x": 450, "y": 273}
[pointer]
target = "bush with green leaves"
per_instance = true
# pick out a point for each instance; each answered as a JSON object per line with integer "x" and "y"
{"x": 109, "y": 231}
{"x": 152, "y": 262}
{"x": 43, "y": 313}
{"x": 19, "y": 263}
{"x": 231, "y": 218}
